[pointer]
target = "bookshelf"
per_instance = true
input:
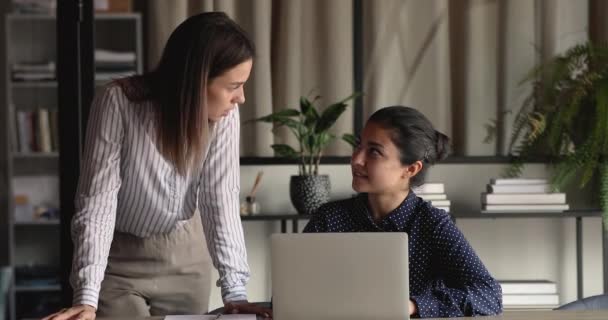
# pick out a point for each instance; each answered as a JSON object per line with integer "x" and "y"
{"x": 578, "y": 215}
{"x": 29, "y": 161}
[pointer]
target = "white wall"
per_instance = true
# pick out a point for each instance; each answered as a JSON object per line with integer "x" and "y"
{"x": 510, "y": 248}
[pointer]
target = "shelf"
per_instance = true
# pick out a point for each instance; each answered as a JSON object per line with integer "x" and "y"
{"x": 561, "y": 214}
{"x": 30, "y": 16}
{"x": 38, "y": 155}
{"x": 276, "y": 217}
{"x": 36, "y": 165}
{"x": 97, "y": 15}
{"x": 116, "y": 16}
{"x": 33, "y": 84}
{"x": 38, "y": 223}
{"x": 38, "y": 288}
{"x": 475, "y": 215}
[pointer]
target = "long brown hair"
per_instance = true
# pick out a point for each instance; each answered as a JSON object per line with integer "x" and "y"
{"x": 201, "y": 48}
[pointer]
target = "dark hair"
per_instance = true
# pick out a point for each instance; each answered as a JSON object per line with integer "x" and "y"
{"x": 414, "y": 136}
{"x": 201, "y": 48}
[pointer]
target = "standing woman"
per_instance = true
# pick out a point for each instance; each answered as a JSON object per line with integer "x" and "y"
{"x": 158, "y": 147}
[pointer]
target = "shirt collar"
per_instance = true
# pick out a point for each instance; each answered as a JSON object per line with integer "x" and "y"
{"x": 396, "y": 220}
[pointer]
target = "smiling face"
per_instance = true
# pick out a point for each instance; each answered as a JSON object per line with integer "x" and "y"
{"x": 225, "y": 91}
{"x": 376, "y": 165}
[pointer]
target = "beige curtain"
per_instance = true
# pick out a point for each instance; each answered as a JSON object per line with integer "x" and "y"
{"x": 457, "y": 61}
{"x": 303, "y": 47}
{"x": 460, "y": 61}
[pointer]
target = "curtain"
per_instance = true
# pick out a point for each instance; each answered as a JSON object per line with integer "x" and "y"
{"x": 459, "y": 62}
{"x": 304, "y": 48}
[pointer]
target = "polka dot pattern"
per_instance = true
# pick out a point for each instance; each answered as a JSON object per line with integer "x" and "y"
{"x": 447, "y": 278}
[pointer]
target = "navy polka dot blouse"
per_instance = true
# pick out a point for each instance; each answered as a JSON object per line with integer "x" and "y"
{"x": 447, "y": 278}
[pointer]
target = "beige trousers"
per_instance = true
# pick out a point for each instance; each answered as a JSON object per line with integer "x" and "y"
{"x": 159, "y": 275}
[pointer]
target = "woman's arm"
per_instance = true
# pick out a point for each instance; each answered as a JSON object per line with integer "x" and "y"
{"x": 469, "y": 288}
{"x": 219, "y": 208}
{"x": 96, "y": 197}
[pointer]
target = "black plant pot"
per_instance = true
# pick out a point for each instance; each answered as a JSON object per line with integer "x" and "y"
{"x": 308, "y": 193}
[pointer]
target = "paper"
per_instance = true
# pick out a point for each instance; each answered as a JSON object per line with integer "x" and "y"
{"x": 213, "y": 317}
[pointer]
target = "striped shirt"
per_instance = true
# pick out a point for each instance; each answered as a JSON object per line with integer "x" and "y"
{"x": 126, "y": 185}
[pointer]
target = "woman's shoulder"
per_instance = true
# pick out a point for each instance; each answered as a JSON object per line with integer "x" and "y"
{"x": 431, "y": 213}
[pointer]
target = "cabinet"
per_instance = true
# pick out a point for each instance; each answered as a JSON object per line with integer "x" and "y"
{"x": 29, "y": 167}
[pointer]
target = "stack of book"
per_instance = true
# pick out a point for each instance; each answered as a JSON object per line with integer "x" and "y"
{"x": 522, "y": 195}
{"x": 435, "y": 194}
{"x": 114, "y": 64}
{"x": 33, "y": 71}
{"x": 529, "y": 294}
{"x": 37, "y": 131}
{"x": 35, "y": 6}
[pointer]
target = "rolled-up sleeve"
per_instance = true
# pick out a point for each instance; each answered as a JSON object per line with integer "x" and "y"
{"x": 219, "y": 208}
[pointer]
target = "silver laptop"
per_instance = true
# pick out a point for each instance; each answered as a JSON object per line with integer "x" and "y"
{"x": 331, "y": 276}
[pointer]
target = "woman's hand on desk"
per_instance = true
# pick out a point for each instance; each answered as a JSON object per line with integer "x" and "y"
{"x": 413, "y": 308}
{"x": 246, "y": 307}
{"x": 81, "y": 312}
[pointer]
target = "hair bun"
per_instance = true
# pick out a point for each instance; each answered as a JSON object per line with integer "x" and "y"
{"x": 442, "y": 145}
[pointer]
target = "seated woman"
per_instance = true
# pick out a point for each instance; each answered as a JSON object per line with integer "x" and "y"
{"x": 447, "y": 278}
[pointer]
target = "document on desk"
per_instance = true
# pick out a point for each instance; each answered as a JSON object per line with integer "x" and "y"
{"x": 213, "y": 317}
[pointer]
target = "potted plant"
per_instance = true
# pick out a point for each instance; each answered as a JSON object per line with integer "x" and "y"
{"x": 566, "y": 116}
{"x": 308, "y": 190}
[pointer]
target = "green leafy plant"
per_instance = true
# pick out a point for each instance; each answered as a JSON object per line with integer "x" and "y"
{"x": 311, "y": 129}
{"x": 566, "y": 116}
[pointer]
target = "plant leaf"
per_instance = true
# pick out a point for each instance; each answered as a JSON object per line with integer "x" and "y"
{"x": 332, "y": 113}
{"x": 350, "y": 139}
{"x": 308, "y": 110}
{"x": 284, "y": 150}
{"x": 281, "y": 114}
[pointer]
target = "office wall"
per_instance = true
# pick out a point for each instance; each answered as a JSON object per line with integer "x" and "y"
{"x": 510, "y": 248}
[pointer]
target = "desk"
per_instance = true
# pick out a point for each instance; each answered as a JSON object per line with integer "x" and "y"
{"x": 508, "y": 315}
{"x": 294, "y": 218}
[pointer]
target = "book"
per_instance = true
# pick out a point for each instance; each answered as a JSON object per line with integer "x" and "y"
{"x": 14, "y": 134}
{"x": 54, "y": 126}
{"x": 432, "y": 196}
{"x": 33, "y": 67}
{"x": 528, "y": 287}
{"x": 532, "y": 307}
{"x": 519, "y": 188}
{"x": 23, "y": 131}
{"x": 429, "y": 188}
{"x": 440, "y": 203}
{"x": 44, "y": 131}
{"x": 33, "y": 76}
{"x": 525, "y": 208}
{"x": 104, "y": 56}
{"x": 500, "y": 181}
{"x": 530, "y": 299}
{"x": 523, "y": 198}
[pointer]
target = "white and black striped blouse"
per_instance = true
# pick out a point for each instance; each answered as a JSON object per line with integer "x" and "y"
{"x": 127, "y": 186}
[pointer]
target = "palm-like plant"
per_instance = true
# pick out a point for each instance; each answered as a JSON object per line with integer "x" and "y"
{"x": 566, "y": 116}
{"x": 311, "y": 130}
